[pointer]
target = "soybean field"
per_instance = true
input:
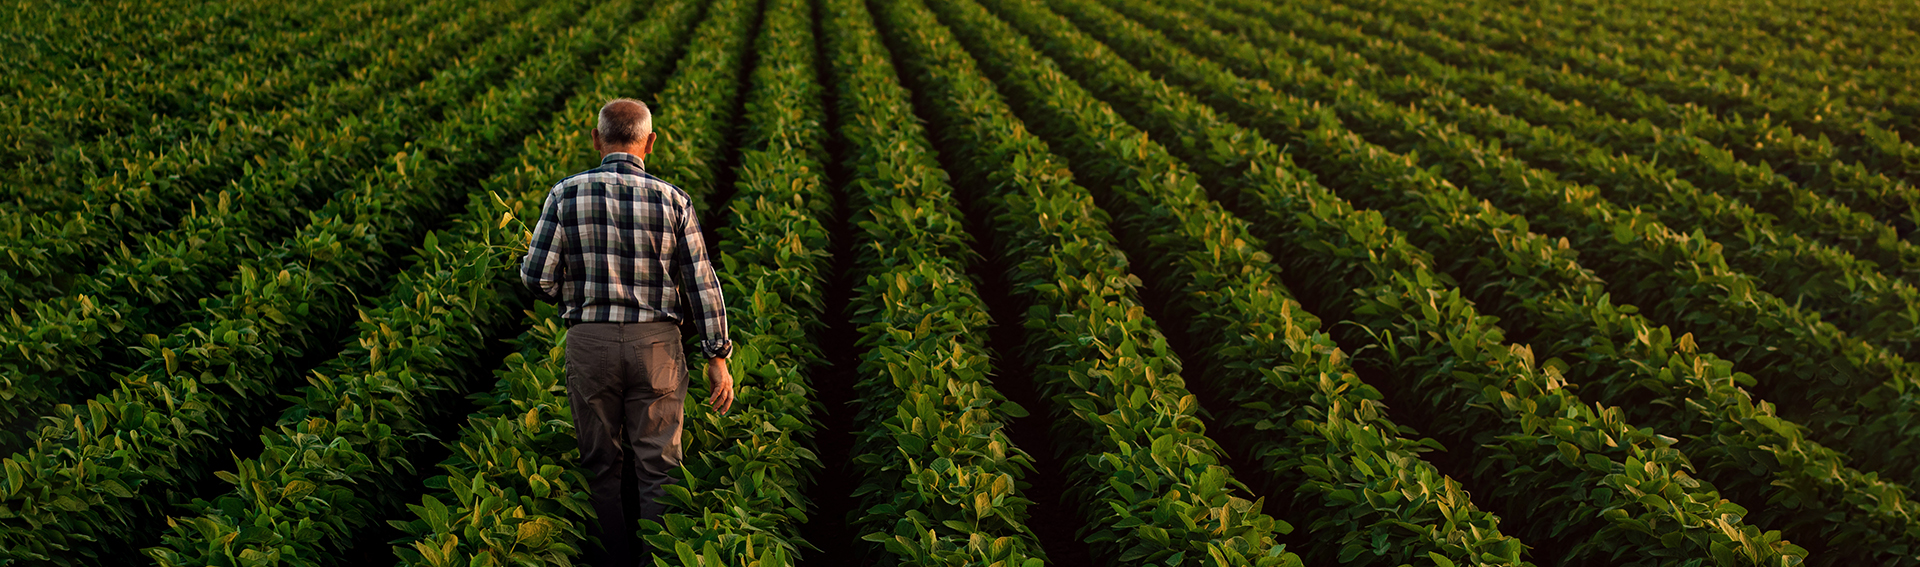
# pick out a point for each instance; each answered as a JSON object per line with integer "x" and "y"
{"x": 1013, "y": 282}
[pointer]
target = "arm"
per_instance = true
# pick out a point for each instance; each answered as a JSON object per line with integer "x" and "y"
{"x": 706, "y": 305}
{"x": 541, "y": 269}
{"x": 701, "y": 288}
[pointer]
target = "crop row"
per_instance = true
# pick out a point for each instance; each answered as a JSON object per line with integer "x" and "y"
{"x": 747, "y": 471}
{"x": 940, "y": 478}
{"x": 513, "y": 494}
{"x": 1520, "y": 300}
{"x": 53, "y": 253}
{"x": 1283, "y": 372}
{"x": 1808, "y": 475}
{"x": 703, "y": 97}
{"x": 1145, "y": 476}
{"x": 154, "y": 430}
{"x": 1204, "y": 137}
{"x": 321, "y": 477}
{"x": 28, "y": 30}
{"x": 1852, "y": 294}
{"x": 68, "y": 346}
{"x": 1869, "y": 115}
{"x": 1771, "y": 53}
{"x": 318, "y": 480}
{"x": 1100, "y": 68}
{"x": 1832, "y": 41}
{"x": 102, "y": 70}
{"x": 1879, "y": 310}
{"x": 1758, "y": 140}
{"x": 1868, "y": 53}
{"x": 157, "y": 184}
{"x": 60, "y": 181}
{"x": 1816, "y": 114}
{"x": 1801, "y": 206}
{"x": 1672, "y": 276}
{"x": 1679, "y": 193}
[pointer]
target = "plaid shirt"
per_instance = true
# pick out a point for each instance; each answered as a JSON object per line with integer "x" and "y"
{"x": 617, "y": 245}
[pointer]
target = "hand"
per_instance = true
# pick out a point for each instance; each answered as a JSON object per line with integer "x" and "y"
{"x": 722, "y": 380}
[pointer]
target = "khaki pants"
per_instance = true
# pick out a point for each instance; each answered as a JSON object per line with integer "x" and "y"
{"x": 628, "y": 384}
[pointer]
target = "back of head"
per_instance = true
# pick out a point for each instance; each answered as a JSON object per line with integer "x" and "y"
{"x": 624, "y": 122}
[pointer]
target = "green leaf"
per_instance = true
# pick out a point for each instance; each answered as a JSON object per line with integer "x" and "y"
{"x": 685, "y": 553}
{"x": 16, "y": 477}
{"x": 1013, "y": 410}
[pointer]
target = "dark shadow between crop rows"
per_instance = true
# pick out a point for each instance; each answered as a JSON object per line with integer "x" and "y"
{"x": 829, "y": 525}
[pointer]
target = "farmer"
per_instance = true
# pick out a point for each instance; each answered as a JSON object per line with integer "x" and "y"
{"x": 622, "y": 253}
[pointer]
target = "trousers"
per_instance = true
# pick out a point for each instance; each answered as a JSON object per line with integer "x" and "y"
{"x": 628, "y": 386}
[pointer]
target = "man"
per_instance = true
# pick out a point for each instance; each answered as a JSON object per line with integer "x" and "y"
{"x": 621, "y": 251}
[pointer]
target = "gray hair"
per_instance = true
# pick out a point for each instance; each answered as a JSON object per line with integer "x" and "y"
{"x": 624, "y": 121}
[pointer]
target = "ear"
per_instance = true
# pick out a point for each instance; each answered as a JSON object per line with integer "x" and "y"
{"x": 647, "y": 146}
{"x": 595, "y": 133}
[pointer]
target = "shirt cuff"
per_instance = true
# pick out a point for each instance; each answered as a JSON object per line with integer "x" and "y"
{"x": 717, "y": 348}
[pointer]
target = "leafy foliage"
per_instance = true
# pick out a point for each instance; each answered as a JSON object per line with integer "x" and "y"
{"x": 747, "y": 471}
{"x": 941, "y": 478}
{"x": 1816, "y": 278}
{"x": 1242, "y": 160}
{"x": 1747, "y": 449}
{"x": 171, "y": 188}
{"x": 511, "y": 495}
{"x": 66, "y": 347}
{"x": 1263, "y": 346}
{"x": 83, "y": 79}
{"x": 1146, "y": 476}
{"x": 1800, "y": 116}
{"x": 1649, "y": 275}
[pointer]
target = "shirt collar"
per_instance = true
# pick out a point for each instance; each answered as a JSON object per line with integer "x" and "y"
{"x": 626, "y": 157}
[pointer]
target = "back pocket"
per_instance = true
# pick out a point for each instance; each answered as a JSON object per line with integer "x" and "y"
{"x": 666, "y": 369}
